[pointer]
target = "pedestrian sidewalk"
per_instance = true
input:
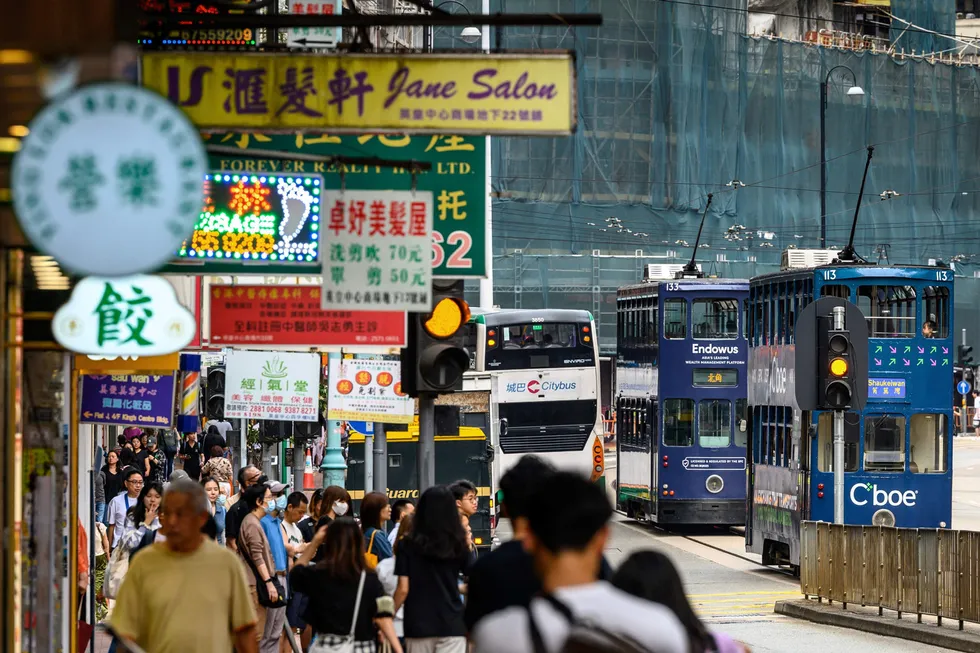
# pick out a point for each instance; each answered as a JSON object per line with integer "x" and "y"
{"x": 866, "y": 618}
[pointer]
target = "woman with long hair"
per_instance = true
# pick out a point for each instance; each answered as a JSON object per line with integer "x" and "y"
{"x": 429, "y": 563}
{"x": 652, "y": 576}
{"x": 216, "y": 506}
{"x": 307, "y": 525}
{"x": 256, "y": 553}
{"x": 375, "y": 511}
{"x": 386, "y": 572}
{"x": 336, "y": 503}
{"x": 333, "y": 587}
{"x": 113, "y": 475}
{"x": 144, "y": 515}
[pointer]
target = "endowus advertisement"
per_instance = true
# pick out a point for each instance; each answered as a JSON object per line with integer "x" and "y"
{"x": 558, "y": 385}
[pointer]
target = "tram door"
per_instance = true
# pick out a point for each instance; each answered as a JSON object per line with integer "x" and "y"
{"x": 807, "y": 434}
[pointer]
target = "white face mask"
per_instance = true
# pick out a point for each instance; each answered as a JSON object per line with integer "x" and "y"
{"x": 339, "y": 508}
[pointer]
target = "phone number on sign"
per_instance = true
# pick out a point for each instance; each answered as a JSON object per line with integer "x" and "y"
{"x": 257, "y": 410}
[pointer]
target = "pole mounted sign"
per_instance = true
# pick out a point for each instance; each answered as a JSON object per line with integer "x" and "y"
{"x": 272, "y": 385}
{"x": 314, "y": 37}
{"x": 521, "y": 94}
{"x": 128, "y": 400}
{"x": 130, "y": 316}
{"x": 108, "y": 181}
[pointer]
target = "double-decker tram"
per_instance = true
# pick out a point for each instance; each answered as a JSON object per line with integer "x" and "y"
{"x": 898, "y": 459}
{"x": 544, "y": 387}
{"x": 681, "y": 400}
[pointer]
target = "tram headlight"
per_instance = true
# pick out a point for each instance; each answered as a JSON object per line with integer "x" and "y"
{"x": 714, "y": 484}
{"x": 883, "y": 517}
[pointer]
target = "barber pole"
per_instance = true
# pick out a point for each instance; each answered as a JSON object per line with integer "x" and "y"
{"x": 190, "y": 393}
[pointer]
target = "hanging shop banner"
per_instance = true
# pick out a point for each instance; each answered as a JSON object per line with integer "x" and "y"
{"x": 378, "y": 250}
{"x": 256, "y": 218}
{"x": 292, "y": 316}
{"x": 272, "y": 385}
{"x": 520, "y": 94}
{"x": 108, "y": 181}
{"x": 368, "y": 390}
{"x": 457, "y": 180}
{"x": 128, "y": 400}
{"x": 127, "y": 316}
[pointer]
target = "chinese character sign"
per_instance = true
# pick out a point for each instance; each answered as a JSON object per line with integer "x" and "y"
{"x": 447, "y": 93}
{"x": 272, "y": 385}
{"x": 378, "y": 250}
{"x": 368, "y": 390}
{"x": 125, "y": 316}
{"x": 313, "y": 37}
{"x": 129, "y": 400}
{"x": 109, "y": 180}
{"x": 291, "y": 315}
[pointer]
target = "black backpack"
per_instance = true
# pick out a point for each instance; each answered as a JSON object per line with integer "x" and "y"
{"x": 584, "y": 636}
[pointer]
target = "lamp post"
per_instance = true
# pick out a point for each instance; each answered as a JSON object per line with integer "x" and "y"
{"x": 470, "y": 34}
{"x": 855, "y": 91}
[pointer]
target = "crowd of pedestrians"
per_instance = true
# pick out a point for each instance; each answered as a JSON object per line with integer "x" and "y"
{"x": 188, "y": 566}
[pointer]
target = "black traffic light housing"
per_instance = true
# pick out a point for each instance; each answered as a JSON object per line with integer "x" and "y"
{"x": 435, "y": 359}
{"x": 818, "y": 345}
{"x": 835, "y": 366}
{"x": 214, "y": 393}
{"x": 965, "y": 358}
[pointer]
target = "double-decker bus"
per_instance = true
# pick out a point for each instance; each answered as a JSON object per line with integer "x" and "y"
{"x": 681, "y": 400}
{"x": 898, "y": 458}
{"x": 544, "y": 387}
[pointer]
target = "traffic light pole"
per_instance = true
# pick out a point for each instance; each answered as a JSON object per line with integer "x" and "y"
{"x": 963, "y": 420}
{"x": 838, "y": 317}
{"x": 427, "y": 441}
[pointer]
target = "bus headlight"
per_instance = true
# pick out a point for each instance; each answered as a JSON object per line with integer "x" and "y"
{"x": 714, "y": 484}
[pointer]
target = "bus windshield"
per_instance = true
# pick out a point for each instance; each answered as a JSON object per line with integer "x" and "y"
{"x": 538, "y": 336}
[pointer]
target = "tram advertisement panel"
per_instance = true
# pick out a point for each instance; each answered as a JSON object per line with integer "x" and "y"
{"x": 775, "y": 509}
{"x": 772, "y": 380}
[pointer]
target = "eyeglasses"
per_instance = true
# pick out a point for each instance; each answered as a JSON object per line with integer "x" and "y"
{"x": 136, "y": 482}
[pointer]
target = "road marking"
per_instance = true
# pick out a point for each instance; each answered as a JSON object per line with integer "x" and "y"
{"x": 738, "y": 604}
{"x": 765, "y": 593}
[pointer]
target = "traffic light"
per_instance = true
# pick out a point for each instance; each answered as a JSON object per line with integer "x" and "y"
{"x": 835, "y": 365}
{"x": 435, "y": 359}
{"x": 966, "y": 356}
{"x": 214, "y": 393}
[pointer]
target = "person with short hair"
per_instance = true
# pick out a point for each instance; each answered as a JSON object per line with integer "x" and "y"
{"x": 400, "y": 508}
{"x": 249, "y": 476}
{"x": 929, "y": 329}
{"x": 119, "y": 505}
{"x": 256, "y": 553}
{"x": 153, "y": 609}
{"x": 155, "y": 463}
{"x": 293, "y": 540}
{"x": 566, "y": 540}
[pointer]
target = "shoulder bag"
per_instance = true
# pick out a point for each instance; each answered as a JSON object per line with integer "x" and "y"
{"x": 261, "y": 589}
{"x": 324, "y": 643}
{"x": 371, "y": 559}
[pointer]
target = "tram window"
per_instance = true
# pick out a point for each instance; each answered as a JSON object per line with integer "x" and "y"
{"x": 675, "y": 319}
{"x": 884, "y": 443}
{"x": 928, "y": 441}
{"x": 890, "y": 310}
{"x": 714, "y": 423}
{"x": 715, "y": 318}
{"x": 741, "y": 423}
{"x": 825, "y": 441}
{"x": 835, "y": 291}
{"x": 746, "y": 328}
{"x": 679, "y": 422}
{"x": 935, "y": 309}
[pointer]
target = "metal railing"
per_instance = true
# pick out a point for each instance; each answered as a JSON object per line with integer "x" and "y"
{"x": 907, "y": 570}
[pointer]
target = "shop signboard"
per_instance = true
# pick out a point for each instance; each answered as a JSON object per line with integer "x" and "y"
{"x": 368, "y": 390}
{"x": 145, "y": 400}
{"x": 272, "y": 385}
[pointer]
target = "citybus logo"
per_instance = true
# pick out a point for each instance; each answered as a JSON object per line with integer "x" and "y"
{"x": 533, "y": 387}
{"x": 713, "y": 349}
{"x": 879, "y": 498}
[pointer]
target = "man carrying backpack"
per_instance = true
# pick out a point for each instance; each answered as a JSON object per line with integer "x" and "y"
{"x": 577, "y": 612}
{"x": 171, "y": 443}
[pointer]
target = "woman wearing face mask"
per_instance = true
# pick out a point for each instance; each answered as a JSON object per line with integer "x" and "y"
{"x": 335, "y": 503}
{"x": 256, "y": 553}
{"x": 216, "y": 506}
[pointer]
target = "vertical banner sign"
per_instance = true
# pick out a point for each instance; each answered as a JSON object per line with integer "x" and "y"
{"x": 368, "y": 390}
{"x": 378, "y": 252}
{"x": 313, "y": 37}
{"x": 272, "y": 385}
{"x": 128, "y": 400}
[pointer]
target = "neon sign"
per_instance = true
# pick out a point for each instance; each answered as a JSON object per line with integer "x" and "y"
{"x": 257, "y": 218}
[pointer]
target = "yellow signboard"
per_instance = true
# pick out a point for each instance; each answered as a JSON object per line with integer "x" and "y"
{"x": 126, "y": 364}
{"x": 875, "y": 3}
{"x": 380, "y": 93}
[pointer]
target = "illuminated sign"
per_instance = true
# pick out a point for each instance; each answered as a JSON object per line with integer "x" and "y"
{"x": 257, "y": 218}
{"x": 715, "y": 377}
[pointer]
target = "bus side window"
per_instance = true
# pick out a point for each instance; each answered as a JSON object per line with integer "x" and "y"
{"x": 935, "y": 309}
{"x": 825, "y": 441}
{"x": 675, "y": 319}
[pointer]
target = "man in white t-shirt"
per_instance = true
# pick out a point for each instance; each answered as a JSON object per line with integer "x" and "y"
{"x": 222, "y": 425}
{"x": 566, "y": 541}
{"x": 121, "y": 503}
{"x": 292, "y": 536}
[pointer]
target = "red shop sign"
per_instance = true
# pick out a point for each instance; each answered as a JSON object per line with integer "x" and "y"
{"x": 291, "y": 315}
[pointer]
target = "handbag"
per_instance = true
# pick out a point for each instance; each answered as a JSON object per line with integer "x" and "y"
{"x": 262, "y": 592}
{"x": 342, "y": 644}
{"x": 371, "y": 559}
{"x": 115, "y": 571}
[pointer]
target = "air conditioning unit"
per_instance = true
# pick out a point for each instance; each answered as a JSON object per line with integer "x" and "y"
{"x": 807, "y": 258}
{"x": 662, "y": 271}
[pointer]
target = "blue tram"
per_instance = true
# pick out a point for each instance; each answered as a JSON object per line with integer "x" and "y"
{"x": 681, "y": 401}
{"x": 898, "y": 458}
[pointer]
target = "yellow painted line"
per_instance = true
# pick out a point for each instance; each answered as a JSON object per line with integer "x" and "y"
{"x": 768, "y": 593}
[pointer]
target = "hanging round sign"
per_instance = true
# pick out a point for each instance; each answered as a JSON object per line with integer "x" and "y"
{"x": 110, "y": 180}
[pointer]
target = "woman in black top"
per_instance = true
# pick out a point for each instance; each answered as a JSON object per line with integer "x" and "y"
{"x": 331, "y": 587}
{"x": 113, "y": 476}
{"x": 428, "y": 566}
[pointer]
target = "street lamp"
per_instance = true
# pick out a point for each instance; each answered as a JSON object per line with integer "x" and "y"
{"x": 853, "y": 91}
{"x": 469, "y": 34}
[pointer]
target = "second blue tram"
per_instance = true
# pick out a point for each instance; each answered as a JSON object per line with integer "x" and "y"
{"x": 681, "y": 401}
{"x": 898, "y": 458}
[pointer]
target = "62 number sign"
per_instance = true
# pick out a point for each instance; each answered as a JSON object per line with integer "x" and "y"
{"x": 460, "y": 243}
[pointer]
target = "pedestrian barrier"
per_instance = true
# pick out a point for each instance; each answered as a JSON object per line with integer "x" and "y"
{"x": 907, "y": 570}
